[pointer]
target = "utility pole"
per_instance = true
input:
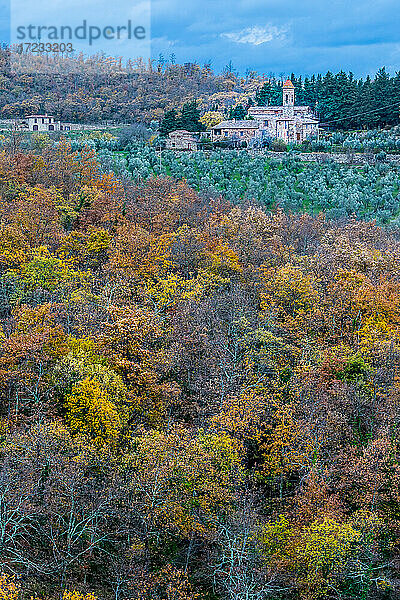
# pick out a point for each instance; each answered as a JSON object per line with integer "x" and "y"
{"x": 159, "y": 156}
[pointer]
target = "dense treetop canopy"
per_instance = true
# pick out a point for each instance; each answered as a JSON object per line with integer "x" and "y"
{"x": 199, "y": 377}
{"x": 101, "y": 89}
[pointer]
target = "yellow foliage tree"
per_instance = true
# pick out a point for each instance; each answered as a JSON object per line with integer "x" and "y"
{"x": 290, "y": 291}
{"x": 74, "y": 595}
{"x": 9, "y": 589}
{"x": 183, "y": 482}
{"x": 90, "y": 411}
{"x": 365, "y": 311}
{"x": 14, "y": 248}
{"x": 317, "y": 552}
{"x": 241, "y": 416}
{"x": 86, "y": 248}
{"x": 48, "y": 272}
{"x": 211, "y": 118}
{"x": 222, "y": 260}
{"x": 134, "y": 342}
{"x": 286, "y": 446}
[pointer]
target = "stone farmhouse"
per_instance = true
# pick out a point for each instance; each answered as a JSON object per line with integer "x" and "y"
{"x": 181, "y": 140}
{"x": 288, "y": 122}
{"x": 44, "y": 123}
{"x": 242, "y": 131}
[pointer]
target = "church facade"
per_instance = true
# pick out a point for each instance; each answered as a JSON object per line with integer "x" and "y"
{"x": 288, "y": 122}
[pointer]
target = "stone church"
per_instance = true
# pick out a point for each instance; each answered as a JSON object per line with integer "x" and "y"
{"x": 288, "y": 122}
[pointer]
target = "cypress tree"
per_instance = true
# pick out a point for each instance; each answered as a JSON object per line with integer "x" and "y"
{"x": 169, "y": 122}
{"x": 190, "y": 117}
{"x": 239, "y": 112}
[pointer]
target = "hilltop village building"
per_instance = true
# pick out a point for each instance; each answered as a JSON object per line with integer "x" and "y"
{"x": 43, "y": 123}
{"x": 288, "y": 122}
{"x": 181, "y": 140}
{"x": 240, "y": 130}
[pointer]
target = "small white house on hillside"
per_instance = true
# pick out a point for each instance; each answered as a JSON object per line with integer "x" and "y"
{"x": 43, "y": 123}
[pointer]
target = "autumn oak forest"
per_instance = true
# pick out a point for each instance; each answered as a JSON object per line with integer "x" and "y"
{"x": 198, "y": 400}
{"x": 199, "y": 358}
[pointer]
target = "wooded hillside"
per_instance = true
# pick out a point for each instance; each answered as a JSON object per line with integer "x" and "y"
{"x": 198, "y": 400}
{"x": 102, "y": 89}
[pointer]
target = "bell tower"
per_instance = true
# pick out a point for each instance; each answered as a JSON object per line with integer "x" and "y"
{"x": 288, "y": 93}
{"x": 288, "y": 98}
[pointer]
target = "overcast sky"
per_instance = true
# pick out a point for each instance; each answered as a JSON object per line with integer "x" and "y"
{"x": 278, "y": 36}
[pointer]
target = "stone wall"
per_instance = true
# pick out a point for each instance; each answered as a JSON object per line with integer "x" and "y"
{"x": 342, "y": 158}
